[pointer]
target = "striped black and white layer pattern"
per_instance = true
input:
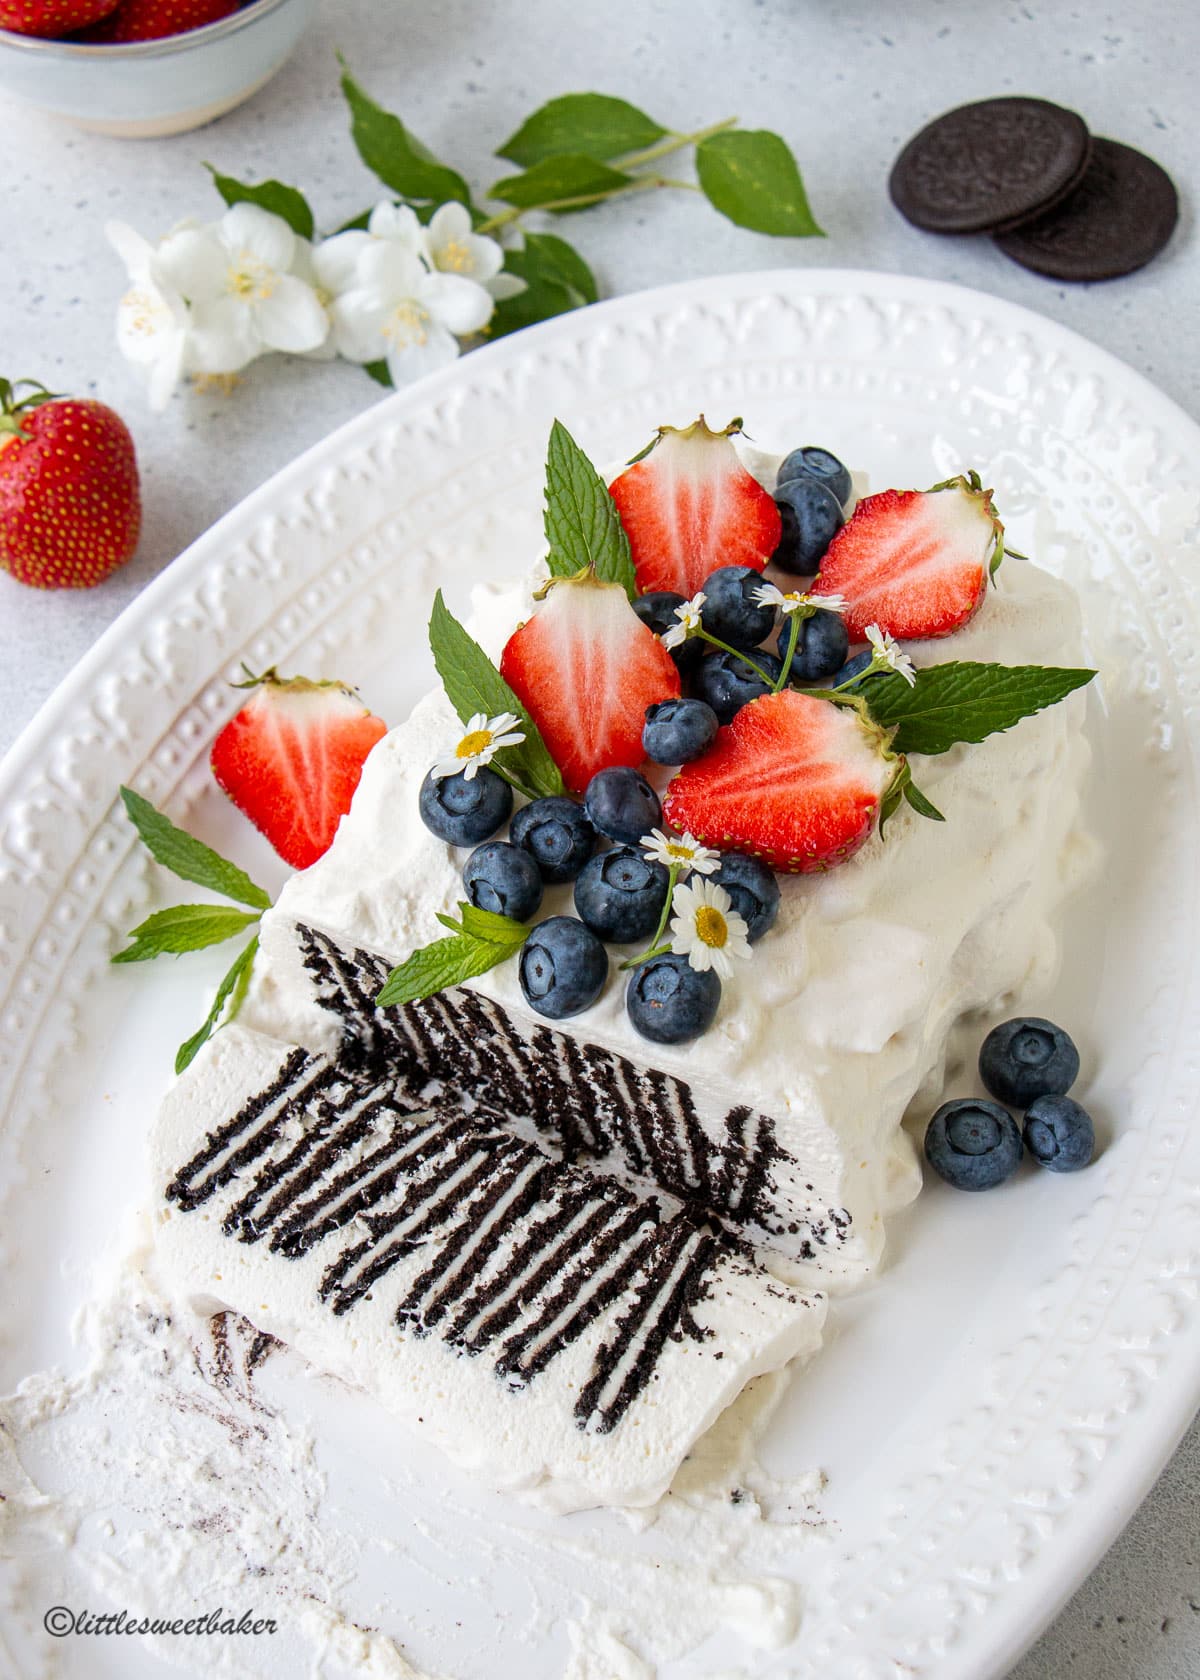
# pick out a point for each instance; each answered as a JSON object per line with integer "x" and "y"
{"x": 593, "y": 1104}
{"x": 507, "y": 1255}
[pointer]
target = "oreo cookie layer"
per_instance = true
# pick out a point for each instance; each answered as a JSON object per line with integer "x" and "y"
{"x": 1121, "y": 215}
{"x": 989, "y": 166}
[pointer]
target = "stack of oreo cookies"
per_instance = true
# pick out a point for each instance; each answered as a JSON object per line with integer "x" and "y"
{"x": 1029, "y": 173}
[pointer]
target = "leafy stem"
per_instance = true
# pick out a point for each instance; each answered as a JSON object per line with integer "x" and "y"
{"x": 675, "y": 143}
{"x": 580, "y": 201}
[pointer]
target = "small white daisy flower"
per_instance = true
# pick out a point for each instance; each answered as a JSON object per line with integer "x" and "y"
{"x": 688, "y": 616}
{"x": 683, "y": 852}
{"x": 887, "y": 651}
{"x": 792, "y": 601}
{"x": 484, "y": 738}
{"x": 706, "y": 929}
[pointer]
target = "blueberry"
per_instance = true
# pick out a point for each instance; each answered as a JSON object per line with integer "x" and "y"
{"x": 621, "y": 803}
{"x": 669, "y": 1001}
{"x": 503, "y": 878}
{"x": 811, "y": 515}
{"x": 677, "y": 731}
{"x": 1027, "y": 1058}
{"x": 753, "y": 889}
{"x": 727, "y": 683}
{"x": 973, "y": 1144}
{"x": 818, "y": 463}
{"x": 463, "y": 812}
{"x": 853, "y": 667}
{"x": 821, "y": 647}
{"x": 563, "y": 967}
{"x": 620, "y": 894}
{"x": 658, "y": 611}
{"x": 730, "y": 612}
{"x": 1059, "y": 1134}
{"x": 556, "y": 834}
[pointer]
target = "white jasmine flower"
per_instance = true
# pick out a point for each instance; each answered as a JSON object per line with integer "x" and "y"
{"x": 304, "y": 267}
{"x": 153, "y": 320}
{"x": 397, "y": 311}
{"x": 454, "y": 248}
{"x": 680, "y": 851}
{"x": 706, "y": 929}
{"x": 484, "y": 738}
{"x": 688, "y": 616}
{"x": 887, "y": 651}
{"x": 245, "y": 299}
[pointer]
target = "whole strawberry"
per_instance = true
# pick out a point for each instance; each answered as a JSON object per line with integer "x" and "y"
{"x": 52, "y": 17}
{"x": 70, "y": 509}
{"x": 149, "y": 20}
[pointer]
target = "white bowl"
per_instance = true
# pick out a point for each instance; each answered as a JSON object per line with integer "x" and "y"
{"x": 142, "y": 89}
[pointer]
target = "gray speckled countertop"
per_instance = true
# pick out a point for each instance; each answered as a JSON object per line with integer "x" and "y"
{"x": 847, "y": 84}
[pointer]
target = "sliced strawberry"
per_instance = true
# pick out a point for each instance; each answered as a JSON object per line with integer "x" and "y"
{"x": 915, "y": 562}
{"x": 586, "y": 668}
{"x": 688, "y": 506}
{"x": 291, "y": 759}
{"x": 794, "y": 780}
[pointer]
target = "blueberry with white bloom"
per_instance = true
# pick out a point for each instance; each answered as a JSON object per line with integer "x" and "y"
{"x": 727, "y": 683}
{"x": 503, "y": 878}
{"x": 1026, "y": 1058}
{"x": 557, "y": 835}
{"x": 669, "y": 1001}
{"x": 462, "y": 810}
{"x": 820, "y": 464}
{"x": 822, "y": 644}
{"x": 973, "y": 1144}
{"x": 563, "y": 967}
{"x": 732, "y": 610}
{"x": 677, "y": 731}
{"x": 658, "y": 609}
{"x": 753, "y": 891}
{"x": 812, "y": 516}
{"x": 621, "y": 803}
{"x": 1059, "y": 1134}
{"x": 620, "y": 894}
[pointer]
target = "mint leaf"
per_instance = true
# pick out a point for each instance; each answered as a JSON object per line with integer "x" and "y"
{"x": 964, "y": 701}
{"x": 583, "y": 526}
{"x": 287, "y": 202}
{"x": 555, "y": 183}
{"x": 482, "y": 941}
{"x": 235, "y": 982}
{"x": 188, "y": 857}
{"x": 595, "y": 125}
{"x": 473, "y": 684}
{"x": 184, "y": 927}
{"x": 751, "y": 176}
{"x": 396, "y": 156}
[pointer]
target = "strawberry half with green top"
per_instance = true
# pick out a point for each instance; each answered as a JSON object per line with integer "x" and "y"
{"x": 291, "y": 759}
{"x": 586, "y": 667}
{"x": 797, "y": 781}
{"x": 70, "y": 505}
{"x": 689, "y": 506}
{"x": 915, "y": 562}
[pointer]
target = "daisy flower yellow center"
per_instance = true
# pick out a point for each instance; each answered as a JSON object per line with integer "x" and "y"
{"x": 685, "y": 854}
{"x": 476, "y": 742}
{"x": 711, "y": 927}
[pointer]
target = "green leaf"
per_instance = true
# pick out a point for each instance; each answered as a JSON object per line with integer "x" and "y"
{"x": 583, "y": 526}
{"x": 188, "y": 857}
{"x": 473, "y": 684}
{"x": 281, "y": 200}
{"x": 184, "y": 927}
{"x": 396, "y": 156}
{"x": 448, "y": 962}
{"x": 750, "y": 176}
{"x": 547, "y": 255}
{"x": 594, "y": 125}
{"x": 922, "y": 806}
{"x": 235, "y": 982}
{"x": 963, "y": 701}
{"x": 549, "y": 185}
{"x": 379, "y": 373}
{"x": 540, "y": 301}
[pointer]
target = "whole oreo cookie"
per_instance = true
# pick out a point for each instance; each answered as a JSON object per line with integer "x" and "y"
{"x": 988, "y": 166}
{"x": 1120, "y": 215}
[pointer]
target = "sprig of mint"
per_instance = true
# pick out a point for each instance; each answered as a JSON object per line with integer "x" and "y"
{"x": 473, "y": 684}
{"x": 479, "y": 940}
{"x": 573, "y": 152}
{"x": 964, "y": 701}
{"x": 583, "y": 527}
{"x": 193, "y": 927}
